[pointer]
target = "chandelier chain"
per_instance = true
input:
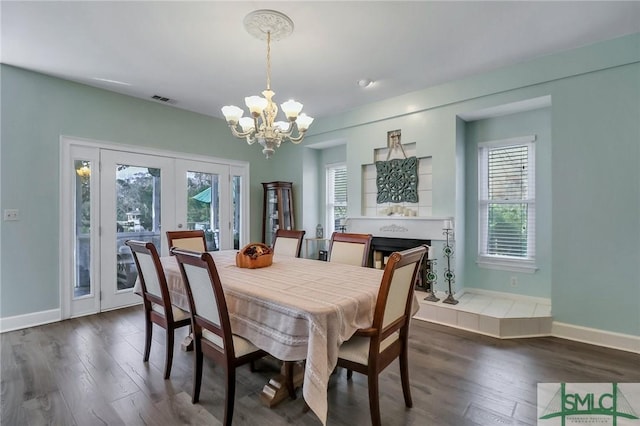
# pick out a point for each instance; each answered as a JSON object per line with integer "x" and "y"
{"x": 268, "y": 60}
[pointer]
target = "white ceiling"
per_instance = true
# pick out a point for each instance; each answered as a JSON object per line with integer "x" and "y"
{"x": 199, "y": 54}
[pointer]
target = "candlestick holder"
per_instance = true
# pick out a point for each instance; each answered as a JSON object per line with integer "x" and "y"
{"x": 449, "y": 276}
{"x": 431, "y": 278}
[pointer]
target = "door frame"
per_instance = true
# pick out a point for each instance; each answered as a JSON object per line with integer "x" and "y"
{"x": 66, "y": 214}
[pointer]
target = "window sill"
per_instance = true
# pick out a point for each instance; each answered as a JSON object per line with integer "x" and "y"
{"x": 506, "y": 264}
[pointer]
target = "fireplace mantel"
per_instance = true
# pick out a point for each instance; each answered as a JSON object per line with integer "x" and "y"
{"x": 427, "y": 228}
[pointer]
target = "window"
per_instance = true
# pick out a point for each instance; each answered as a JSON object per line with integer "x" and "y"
{"x": 336, "y": 197}
{"x": 506, "y": 204}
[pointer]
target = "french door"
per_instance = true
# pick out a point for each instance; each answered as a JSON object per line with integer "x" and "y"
{"x": 136, "y": 199}
{"x": 110, "y": 196}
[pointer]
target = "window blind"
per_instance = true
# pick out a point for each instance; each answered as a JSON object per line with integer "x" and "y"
{"x": 336, "y": 196}
{"x": 506, "y": 201}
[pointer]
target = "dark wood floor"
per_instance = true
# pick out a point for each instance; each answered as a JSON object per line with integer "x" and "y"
{"x": 89, "y": 371}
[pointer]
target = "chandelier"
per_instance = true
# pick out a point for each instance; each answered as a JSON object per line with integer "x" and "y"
{"x": 261, "y": 126}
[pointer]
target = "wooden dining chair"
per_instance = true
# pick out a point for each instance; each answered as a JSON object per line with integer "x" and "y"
{"x": 371, "y": 350}
{"x": 352, "y": 249}
{"x": 288, "y": 242}
{"x": 156, "y": 301}
{"x": 189, "y": 240}
{"x": 211, "y": 326}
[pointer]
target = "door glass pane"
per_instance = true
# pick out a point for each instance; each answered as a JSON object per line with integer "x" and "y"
{"x": 236, "y": 182}
{"x": 82, "y": 241}
{"x": 203, "y": 206}
{"x": 137, "y": 216}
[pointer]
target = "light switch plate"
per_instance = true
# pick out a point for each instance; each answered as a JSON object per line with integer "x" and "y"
{"x": 11, "y": 214}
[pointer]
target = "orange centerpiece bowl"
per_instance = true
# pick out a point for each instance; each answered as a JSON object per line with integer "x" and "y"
{"x": 254, "y": 255}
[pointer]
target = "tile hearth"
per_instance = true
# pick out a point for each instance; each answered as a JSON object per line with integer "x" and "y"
{"x": 494, "y": 315}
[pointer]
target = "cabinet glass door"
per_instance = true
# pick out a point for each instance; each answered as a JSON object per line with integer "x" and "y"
{"x": 273, "y": 216}
{"x": 278, "y": 209}
{"x": 287, "y": 214}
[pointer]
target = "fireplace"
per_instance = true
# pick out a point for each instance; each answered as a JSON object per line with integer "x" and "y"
{"x": 382, "y": 247}
{"x": 397, "y": 233}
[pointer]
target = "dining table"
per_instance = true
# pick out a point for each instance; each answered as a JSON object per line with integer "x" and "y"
{"x": 295, "y": 309}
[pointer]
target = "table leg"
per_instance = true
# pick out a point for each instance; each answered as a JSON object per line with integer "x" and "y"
{"x": 187, "y": 343}
{"x": 278, "y": 388}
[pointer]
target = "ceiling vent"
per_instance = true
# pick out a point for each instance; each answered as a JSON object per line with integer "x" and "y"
{"x": 163, "y": 99}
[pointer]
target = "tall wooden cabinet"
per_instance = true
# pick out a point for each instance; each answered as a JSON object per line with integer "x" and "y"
{"x": 277, "y": 211}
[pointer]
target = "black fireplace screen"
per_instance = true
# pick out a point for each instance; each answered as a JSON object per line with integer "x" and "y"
{"x": 385, "y": 246}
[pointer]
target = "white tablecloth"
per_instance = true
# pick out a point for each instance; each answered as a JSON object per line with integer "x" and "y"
{"x": 294, "y": 309}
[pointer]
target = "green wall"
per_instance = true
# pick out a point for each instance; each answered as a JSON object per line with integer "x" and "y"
{"x": 594, "y": 177}
{"x": 590, "y": 261}
{"x": 596, "y": 199}
{"x": 35, "y": 111}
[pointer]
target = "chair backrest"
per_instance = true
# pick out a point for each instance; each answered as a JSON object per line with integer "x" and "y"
{"x": 206, "y": 298}
{"x": 188, "y": 240}
{"x": 393, "y": 307}
{"x": 288, "y": 242}
{"x": 352, "y": 249}
{"x": 151, "y": 275}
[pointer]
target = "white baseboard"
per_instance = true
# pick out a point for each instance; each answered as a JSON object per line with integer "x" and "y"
{"x": 593, "y": 336}
{"x": 29, "y": 320}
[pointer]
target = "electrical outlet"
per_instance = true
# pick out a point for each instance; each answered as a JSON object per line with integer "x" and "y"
{"x": 11, "y": 214}
{"x": 514, "y": 281}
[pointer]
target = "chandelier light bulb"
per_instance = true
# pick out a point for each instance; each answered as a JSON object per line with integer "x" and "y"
{"x": 247, "y": 124}
{"x": 232, "y": 113}
{"x": 291, "y": 109}
{"x": 256, "y": 104}
{"x": 303, "y": 122}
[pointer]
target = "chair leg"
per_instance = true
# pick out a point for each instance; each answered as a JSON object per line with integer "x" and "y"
{"x": 169, "y": 355}
{"x": 148, "y": 331}
{"x": 197, "y": 374}
{"x": 404, "y": 376}
{"x": 349, "y": 373}
{"x": 374, "y": 399}
{"x": 230, "y": 395}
